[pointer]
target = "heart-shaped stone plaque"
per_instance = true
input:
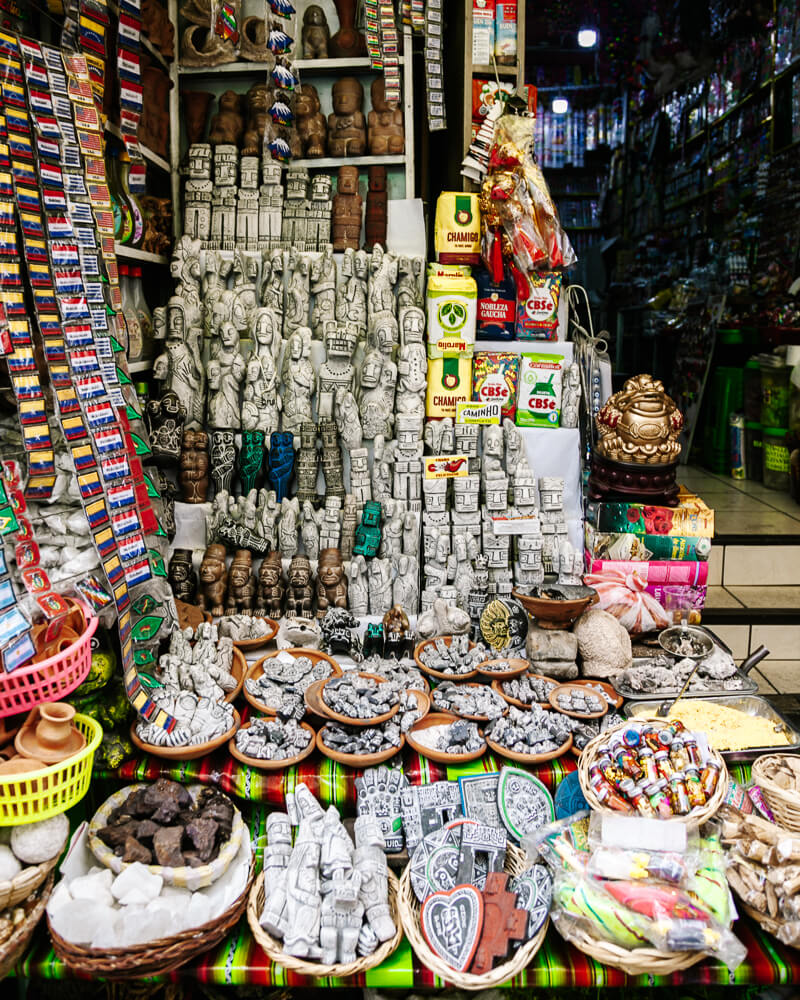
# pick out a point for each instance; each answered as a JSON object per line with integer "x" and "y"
{"x": 452, "y": 923}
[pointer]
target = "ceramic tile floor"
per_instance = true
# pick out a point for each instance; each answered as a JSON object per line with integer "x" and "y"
{"x": 742, "y": 506}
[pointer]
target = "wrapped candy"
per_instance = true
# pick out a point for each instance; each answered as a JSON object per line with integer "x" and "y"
{"x": 624, "y": 595}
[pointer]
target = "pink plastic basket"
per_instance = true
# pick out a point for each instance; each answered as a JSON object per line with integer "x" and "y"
{"x": 50, "y": 680}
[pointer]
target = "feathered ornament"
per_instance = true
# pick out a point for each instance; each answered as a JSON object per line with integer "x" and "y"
{"x": 284, "y": 77}
{"x": 281, "y": 7}
{"x": 279, "y": 149}
{"x": 279, "y": 42}
{"x": 281, "y": 113}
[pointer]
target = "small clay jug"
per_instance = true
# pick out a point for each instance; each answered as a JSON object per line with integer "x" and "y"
{"x": 54, "y": 728}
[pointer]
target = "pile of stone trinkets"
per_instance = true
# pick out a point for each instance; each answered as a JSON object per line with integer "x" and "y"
{"x": 456, "y": 738}
{"x": 468, "y": 700}
{"x": 406, "y": 676}
{"x": 363, "y": 741}
{"x": 240, "y": 628}
{"x": 359, "y": 697}
{"x": 532, "y": 731}
{"x": 580, "y": 702}
{"x": 283, "y": 681}
{"x": 453, "y": 657}
{"x": 528, "y": 688}
{"x": 273, "y": 739}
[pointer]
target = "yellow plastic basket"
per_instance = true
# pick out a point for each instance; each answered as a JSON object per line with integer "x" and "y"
{"x": 27, "y": 798}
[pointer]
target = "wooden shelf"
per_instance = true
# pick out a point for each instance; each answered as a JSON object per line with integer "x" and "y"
{"x": 488, "y": 69}
{"x": 134, "y": 367}
{"x": 147, "y": 153}
{"x": 131, "y": 253}
{"x": 315, "y": 66}
{"x": 349, "y": 161}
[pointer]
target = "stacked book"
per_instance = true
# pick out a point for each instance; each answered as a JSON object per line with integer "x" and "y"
{"x": 659, "y": 555}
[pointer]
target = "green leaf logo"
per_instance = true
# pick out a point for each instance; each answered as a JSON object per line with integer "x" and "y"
{"x": 452, "y": 316}
{"x": 145, "y": 604}
{"x": 143, "y": 656}
{"x": 145, "y": 629}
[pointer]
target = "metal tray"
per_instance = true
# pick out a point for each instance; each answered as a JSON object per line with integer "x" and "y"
{"x": 750, "y": 704}
{"x": 742, "y": 671}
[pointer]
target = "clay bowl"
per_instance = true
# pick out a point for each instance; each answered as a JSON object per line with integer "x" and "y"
{"x": 440, "y": 675}
{"x": 357, "y": 759}
{"x": 271, "y": 765}
{"x": 553, "y": 613}
{"x": 463, "y": 715}
{"x": 27, "y": 743}
{"x": 566, "y": 689}
{"x": 347, "y": 720}
{"x": 185, "y": 753}
{"x": 423, "y": 701}
{"x": 498, "y": 687}
{"x": 517, "y": 666}
{"x": 615, "y": 700}
{"x": 247, "y": 644}
{"x": 257, "y": 669}
{"x": 238, "y": 671}
{"x": 529, "y": 758}
{"x": 440, "y": 719}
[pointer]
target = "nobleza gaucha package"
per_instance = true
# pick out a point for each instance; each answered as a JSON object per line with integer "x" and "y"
{"x": 539, "y": 392}
{"x": 497, "y": 306}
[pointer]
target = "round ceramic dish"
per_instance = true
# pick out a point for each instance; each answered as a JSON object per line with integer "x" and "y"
{"x": 191, "y": 752}
{"x": 238, "y": 671}
{"x": 185, "y": 878}
{"x": 553, "y": 613}
{"x": 271, "y": 765}
{"x": 463, "y": 715}
{"x": 247, "y": 644}
{"x": 516, "y": 666}
{"x": 357, "y": 759}
{"x": 566, "y": 689}
{"x": 438, "y": 673}
{"x": 347, "y": 720}
{"x": 614, "y": 699}
{"x": 498, "y": 687}
{"x": 441, "y": 719}
{"x": 257, "y": 669}
{"x": 529, "y": 758}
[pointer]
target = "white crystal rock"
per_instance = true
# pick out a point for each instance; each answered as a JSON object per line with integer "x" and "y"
{"x": 82, "y": 920}
{"x": 60, "y": 898}
{"x": 199, "y": 911}
{"x": 138, "y": 925}
{"x": 135, "y": 897}
{"x": 34, "y": 843}
{"x": 170, "y": 893}
{"x": 96, "y": 886}
{"x": 9, "y": 866}
{"x": 136, "y": 876}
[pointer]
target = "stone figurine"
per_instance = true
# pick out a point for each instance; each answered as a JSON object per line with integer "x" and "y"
{"x": 280, "y": 463}
{"x": 276, "y": 862}
{"x": 193, "y": 474}
{"x": 299, "y": 381}
{"x": 298, "y": 294}
{"x": 323, "y": 288}
{"x": 331, "y": 582}
{"x": 348, "y": 421}
{"x": 384, "y": 123}
{"x": 226, "y": 371}
{"x": 309, "y": 530}
{"x": 271, "y": 587}
{"x": 199, "y": 188}
{"x": 346, "y": 124}
{"x": 337, "y": 372}
{"x": 164, "y": 419}
{"x": 351, "y": 296}
{"x": 287, "y": 527}
{"x": 307, "y": 463}
{"x": 380, "y": 586}
{"x": 311, "y": 127}
{"x": 358, "y": 586}
{"x": 180, "y": 368}
{"x": 332, "y": 468}
{"x": 408, "y": 288}
{"x": 213, "y": 580}
{"x": 303, "y": 898}
{"x": 571, "y": 395}
{"x": 405, "y": 590}
{"x": 412, "y": 364}
{"x": 346, "y": 213}
{"x": 300, "y": 592}
{"x": 223, "y": 458}
{"x": 241, "y": 584}
{"x": 182, "y": 577}
{"x": 316, "y": 33}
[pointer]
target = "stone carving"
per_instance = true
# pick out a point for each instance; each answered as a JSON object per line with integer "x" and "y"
{"x": 405, "y": 591}
{"x": 280, "y": 462}
{"x": 251, "y": 458}
{"x": 412, "y": 364}
{"x": 384, "y": 123}
{"x": 193, "y": 473}
{"x": 348, "y": 421}
{"x": 408, "y": 288}
{"x": 270, "y": 206}
{"x": 337, "y": 372}
{"x": 182, "y": 577}
{"x": 299, "y": 592}
{"x": 226, "y": 370}
{"x": 323, "y": 287}
{"x": 298, "y": 379}
{"x": 309, "y": 530}
{"x": 571, "y": 395}
{"x": 247, "y": 207}
{"x": 316, "y": 33}
{"x": 346, "y": 125}
{"x": 270, "y": 587}
{"x": 331, "y": 459}
{"x": 378, "y": 381}
{"x": 319, "y": 212}
{"x": 311, "y": 127}
{"x": 331, "y": 582}
{"x": 213, "y": 580}
{"x": 298, "y": 294}
{"x": 223, "y": 198}
{"x": 164, "y": 419}
{"x": 241, "y": 584}
{"x": 346, "y": 212}
{"x": 287, "y": 527}
{"x": 198, "y": 192}
{"x": 358, "y": 586}
{"x": 351, "y": 297}
{"x": 307, "y": 463}
{"x": 180, "y": 368}
{"x": 223, "y": 458}
{"x": 349, "y": 525}
{"x": 380, "y": 586}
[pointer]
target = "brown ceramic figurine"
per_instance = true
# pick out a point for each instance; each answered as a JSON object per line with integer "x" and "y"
{"x": 331, "y": 582}
{"x": 193, "y": 473}
{"x": 241, "y": 584}
{"x": 300, "y": 593}
{"x": 227, "y": 125}
{"x": 182, "y": 577}
{"x": 157, "y": 26}
{"x": 258, "y": 100}
{"x": 384, "y": 123}
{"x": 375, "y": 219}
{"x": 347, "y": 42}
{"x": 154, "y": 122}
{"x": 271, "y": 587}
{"x": 316, "y": 33}
{"x": 346, "y": 215}
{"x": 213, "y": 580}
{"x": 195, "y": 114}
{"x": 311, "y": 125}
{"x": 346, "y": 125}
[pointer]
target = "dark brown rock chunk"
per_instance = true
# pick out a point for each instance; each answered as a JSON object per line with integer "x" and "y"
{"x": 146, "y": 830}
{"x": 115, "y": 836}
{"x": 134, "y": 851}
{"x": 202, "y": 833}
{"x": 167, "y": 847}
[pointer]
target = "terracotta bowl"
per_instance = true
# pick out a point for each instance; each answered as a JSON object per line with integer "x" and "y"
{"x": 615, "y": 698}
{"x": 271, "y": 765}
{"x": 565, "y": 689}
{"x": 247, "y": 644}
{"x": 347, "y": 720}
{"x": 529, "y": 758}
{"x": 357, "y": 759}
{"x": 438, "y": 673}
{"x": 463, "y": 715}
{"x": 238, "y": 671}
{"x": 185, "y": 753}
{"x": 516, "y": 666}
{"x": 498, "y": 687}
{"x": 551, "y": 613}
{"x": 257, "y": 669}
{"x": 440, "y": 719}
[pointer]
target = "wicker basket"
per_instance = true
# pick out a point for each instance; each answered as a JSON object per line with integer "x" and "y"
{"x": 17, "y": 889}
{"x": 13, "y": 949}
{"x": 636, "y": 961}
{"x": 154, "y": 958}
{"x": 316, "y": 970}
{"x": 589, "y": 755}
{"x": 410, "y": 907}
{"x": 785, "y": 807}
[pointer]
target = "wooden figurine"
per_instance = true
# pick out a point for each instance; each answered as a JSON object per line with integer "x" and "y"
{"x": 347, "y": 134}
{"x": 347, "y": 42}
{"x": 193, "y": 473}
{"x": 311, "y": 127}
{"x": 375, "y": 220}
{"x": 502, "y": 922}
{"x": 258, "y": 99}
{"x": 271, "y": 587}
{"x": 227, "y": 125}
{"x": 182, "y": 578}
{"x": 316, "y": 33}
{"x": 346, "y": 217}
{"x": 331, "y": 582}
{"x": 300, "y": 593}
{"x": 213, "y": 580}
{"x": 241, "y": 584}
{"x": 384, "y": 123}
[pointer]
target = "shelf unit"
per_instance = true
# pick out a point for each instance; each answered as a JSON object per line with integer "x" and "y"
{"x": 309, "y": 70}
{"x": 131, "y": 253}
{"x": 147, "y": 153}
